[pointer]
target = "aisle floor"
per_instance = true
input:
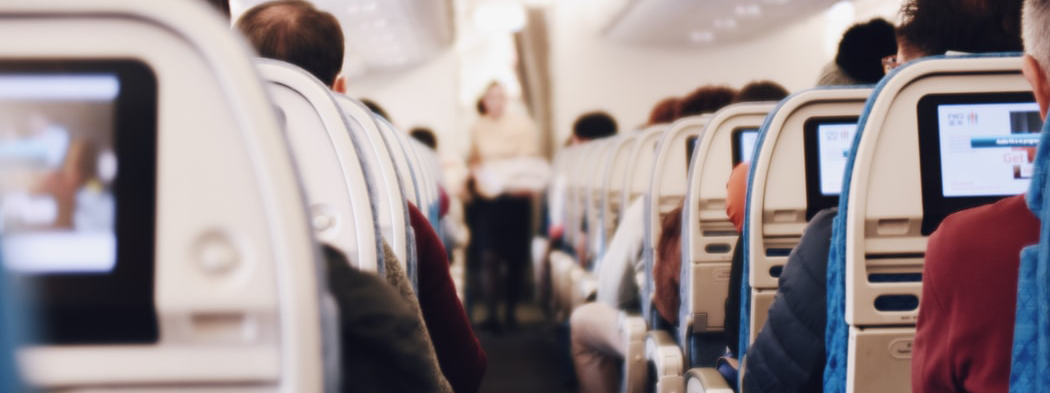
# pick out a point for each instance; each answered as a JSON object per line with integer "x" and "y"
{"x": 526, "y": 359}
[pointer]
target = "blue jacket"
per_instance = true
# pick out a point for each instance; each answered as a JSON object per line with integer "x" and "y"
{"x": 788, "y": 353}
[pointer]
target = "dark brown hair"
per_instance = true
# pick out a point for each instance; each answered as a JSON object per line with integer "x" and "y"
{"x": 665, "y": 111}
{"x": 706, "y": 99}
{"x": 296, "y": 32}
{"x": 934, "y": 27}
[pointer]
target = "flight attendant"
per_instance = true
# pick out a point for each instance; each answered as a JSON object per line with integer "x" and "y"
{"x": 503, "y": 220}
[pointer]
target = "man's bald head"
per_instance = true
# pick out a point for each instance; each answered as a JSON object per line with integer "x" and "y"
{"x": 296, "y": 32}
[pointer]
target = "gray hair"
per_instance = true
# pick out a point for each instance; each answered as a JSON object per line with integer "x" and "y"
{"x": 1035, "y": 29}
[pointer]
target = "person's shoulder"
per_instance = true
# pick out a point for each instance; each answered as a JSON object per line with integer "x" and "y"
{"x": 979, "y": 231}
{"x": 974, "y": 224}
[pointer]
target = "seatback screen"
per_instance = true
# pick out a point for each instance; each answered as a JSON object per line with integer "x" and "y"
{"x": 77, "y": 187}
{"x": 828, "y": 141}
{"x": 974, "y": 148}
{"x": 834, "y": 141}
{"x": 59, "y": 166}
{"x": 744, "y": 145}
{"x": 987, "y": 149}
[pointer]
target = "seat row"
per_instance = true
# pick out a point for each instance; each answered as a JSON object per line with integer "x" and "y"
{"x": 234, "y": 171}
{"x": 894, "y": 159}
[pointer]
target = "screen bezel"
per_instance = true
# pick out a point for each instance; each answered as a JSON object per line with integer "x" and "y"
{"x": 815, "y": 199}
{"x": 936, "y": 207}
{"x": 738, "y": 133}
{"x": 115, "y": 307}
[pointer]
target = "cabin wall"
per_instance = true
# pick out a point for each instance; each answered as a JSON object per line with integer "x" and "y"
{"x": 591, "y": 73}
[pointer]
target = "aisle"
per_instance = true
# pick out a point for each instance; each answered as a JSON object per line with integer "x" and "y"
{"x": 526, "y": 359}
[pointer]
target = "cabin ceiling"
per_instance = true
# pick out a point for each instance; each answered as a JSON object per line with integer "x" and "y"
{"x": 700, "y": 23}
{"x": 383, "y": 35}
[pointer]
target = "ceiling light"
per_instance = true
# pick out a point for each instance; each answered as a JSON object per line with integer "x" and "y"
{"x": 749, "y": 10}
{"x": 702, "y": 36}
{"x": 367, "y": 7}
{"x": 499, "y": 17}
{"x": 725, "y": 24}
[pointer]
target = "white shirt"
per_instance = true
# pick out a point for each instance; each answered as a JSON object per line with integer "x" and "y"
{"x": 621, "y": 270}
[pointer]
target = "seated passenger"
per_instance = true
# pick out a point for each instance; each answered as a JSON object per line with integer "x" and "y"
{"x": 794, "y": 331}
{"x": 381, "y": 342}
{"x": 761, "y": 91}
{"x": 861, "y": 51}
{"x": 964, "y": 334}
{"x": 298, "y": 33}
{"x": 664, "y": 112}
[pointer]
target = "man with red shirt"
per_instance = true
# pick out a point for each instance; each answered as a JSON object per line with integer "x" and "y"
{"x": 965, "y": 330}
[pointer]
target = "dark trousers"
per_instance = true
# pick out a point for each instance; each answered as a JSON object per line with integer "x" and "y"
{"x": 503, "y": 234}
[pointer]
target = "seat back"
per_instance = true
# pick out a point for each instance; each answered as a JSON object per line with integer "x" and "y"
{"x": 425, "y": 184}
{"x": 636, "y": 185}
{"x": 637, "y": 176}
{"x": 425, "y": 160}
{"x": 891, "y": 202}
{"x": 225, "y": 284}
{"x": 390, "y": 204}
{"x": 595, "y": 237}
{"x": 579, "y": 178}
{"x": 1032, "y": 326}
{"x": 708, "y": 237}
{"x": 784, "y": 188}
{"x": 617, "y": 163}
{"x": 320, "y": 138}
{"x": 665, "y": 183}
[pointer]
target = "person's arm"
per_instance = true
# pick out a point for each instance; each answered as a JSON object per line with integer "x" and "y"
{"x": 931, "y": 364}
{"x": 462, "y": 359}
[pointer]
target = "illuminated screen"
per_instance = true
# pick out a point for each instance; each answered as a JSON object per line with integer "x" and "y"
{"x": 744, "y": 145}
{"x": 976, "y": 148}
{"x": 834, "y": 141}
{"x": 987, "y": 149}
{"x": 77, "y": 195}
{"x": 56, "y": 152}
{"x": 827, "y": 146}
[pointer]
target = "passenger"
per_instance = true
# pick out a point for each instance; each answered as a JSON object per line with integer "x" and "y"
{"x": 297, "y": 32}
{"x": 964, "y": 334}
{"x": 425, "y": 136}
{"x": 588, "y": 127}
{"x": 704, "y": 100}
{"x": 667, "y": 267}
{"x": 860, "y": 54}
{"x": 794, "y": 329}
{"x": 379, "y": 346}
{"x": 503, "y": 228}
{"x": 375, "y": 108}
{"x": 761, "y": 91}
{"x": 665, "y": 112}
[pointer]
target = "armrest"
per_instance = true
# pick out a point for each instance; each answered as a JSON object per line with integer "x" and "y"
{"x": 586, "y": 288}
{"x": 632, "y": 329}
{"x": 706, "y": 380}
{"x": 663, "y": 351}
{"x": 667, "y": 360}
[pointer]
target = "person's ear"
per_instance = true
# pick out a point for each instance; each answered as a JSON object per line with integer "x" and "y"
{"x": 340, "y": 84}
{"x": 1033, "y": 71}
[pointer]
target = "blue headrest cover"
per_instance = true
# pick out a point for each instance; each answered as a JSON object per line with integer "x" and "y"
{"x": 1031, "y": 348}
